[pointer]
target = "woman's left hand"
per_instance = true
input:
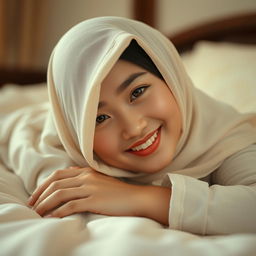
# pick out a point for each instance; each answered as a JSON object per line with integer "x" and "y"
{"x": 76, "y": 190}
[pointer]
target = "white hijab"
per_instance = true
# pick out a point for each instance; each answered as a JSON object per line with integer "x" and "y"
{"x": 212, "y": 131}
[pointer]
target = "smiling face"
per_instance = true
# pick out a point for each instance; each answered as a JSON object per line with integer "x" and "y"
{"x": 138, "y": 123}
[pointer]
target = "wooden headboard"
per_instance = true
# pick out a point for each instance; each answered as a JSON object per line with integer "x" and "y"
{"x": 238, "y": 28}
{"x": 22, "y": 76}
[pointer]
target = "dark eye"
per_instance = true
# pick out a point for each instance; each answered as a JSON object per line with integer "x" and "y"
{"x": 138, "y": 92}
{"x": 101, "y": 118}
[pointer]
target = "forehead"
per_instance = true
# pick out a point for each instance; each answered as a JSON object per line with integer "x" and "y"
{"x": 120, "y": 71}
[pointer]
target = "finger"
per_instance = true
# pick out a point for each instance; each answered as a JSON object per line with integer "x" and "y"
{"x": 75, "y": 181}
{"x": 60, "y": 197}
{"x": 71, "y": 207}
{"x": 74, "y": 167}
{"x": 72, "y": 182}
{"x": 57, "y": 175}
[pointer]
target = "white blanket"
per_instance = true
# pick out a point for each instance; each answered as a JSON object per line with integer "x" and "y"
{"x": 23, "y": 232}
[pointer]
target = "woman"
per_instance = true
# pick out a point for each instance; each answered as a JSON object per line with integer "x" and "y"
{"x": 143, "y": 140}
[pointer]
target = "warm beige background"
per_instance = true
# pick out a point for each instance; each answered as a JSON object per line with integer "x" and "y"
{"x": 35, "y": 33}
{"x": 175, "y": 15}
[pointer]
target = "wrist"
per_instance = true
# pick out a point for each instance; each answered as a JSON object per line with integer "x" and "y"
{"x": 153, "y": 202}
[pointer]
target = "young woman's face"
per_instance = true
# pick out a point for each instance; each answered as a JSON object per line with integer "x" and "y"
{"x": 138, "y": 123}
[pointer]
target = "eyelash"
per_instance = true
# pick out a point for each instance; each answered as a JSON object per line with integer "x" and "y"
{"x": 143, "y": 88}
{"x": 98, "y": 121}
{"x": 140, "y": 89}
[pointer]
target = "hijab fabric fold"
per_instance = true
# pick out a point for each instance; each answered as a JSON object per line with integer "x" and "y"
{"x": 212, "y": 131}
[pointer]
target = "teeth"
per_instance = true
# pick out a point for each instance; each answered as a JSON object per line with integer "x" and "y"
{"x": 146, "y": 144}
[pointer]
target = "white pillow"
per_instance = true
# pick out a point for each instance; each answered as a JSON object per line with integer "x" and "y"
{"x": 225, "y": 71}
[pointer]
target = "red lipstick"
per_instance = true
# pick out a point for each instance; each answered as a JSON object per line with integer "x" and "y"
{"x": 150, "y": 149}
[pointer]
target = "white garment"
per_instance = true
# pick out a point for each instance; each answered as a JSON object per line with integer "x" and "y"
{"x": 223, "y": 205}
{"x": 33, "y": 151}
{"x": 212, "y": 131}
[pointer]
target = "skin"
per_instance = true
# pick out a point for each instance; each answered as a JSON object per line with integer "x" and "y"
{"x": 145, "y": 104}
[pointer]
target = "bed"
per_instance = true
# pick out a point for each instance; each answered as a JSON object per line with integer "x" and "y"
{"x": 224, "y": 70}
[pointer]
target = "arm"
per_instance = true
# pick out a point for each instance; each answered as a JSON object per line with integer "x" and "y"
{"x": 227, "y": 206}
{"x": 84, "y": 190}
{"x": 156, "y": 203}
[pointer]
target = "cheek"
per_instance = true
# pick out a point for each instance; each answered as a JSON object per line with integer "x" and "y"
{"x": 166, "y": 109}
{"x": 163, "y": 105}
{"x": 104, "y": 144}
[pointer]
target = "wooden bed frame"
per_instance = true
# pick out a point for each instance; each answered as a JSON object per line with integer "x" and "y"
{"x": 22, "y": 77}
{"x": 238, "y": 28}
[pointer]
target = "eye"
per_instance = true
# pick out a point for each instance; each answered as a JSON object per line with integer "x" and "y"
{"x": 138, "y": 92}
{"x": 101, "y": 118}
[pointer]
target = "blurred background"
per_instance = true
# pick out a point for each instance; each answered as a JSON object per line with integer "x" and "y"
{"x": 29, "y": 29}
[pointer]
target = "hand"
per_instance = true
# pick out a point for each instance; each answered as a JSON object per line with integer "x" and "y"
{"x": 76, "y": 190}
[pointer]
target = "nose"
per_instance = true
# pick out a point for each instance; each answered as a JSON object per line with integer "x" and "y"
{"x": 133, "y": 125}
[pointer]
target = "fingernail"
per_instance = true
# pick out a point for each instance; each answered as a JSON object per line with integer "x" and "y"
{"x": 29, "y": 202}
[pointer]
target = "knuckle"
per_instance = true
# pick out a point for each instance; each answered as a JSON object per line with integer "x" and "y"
{"x": 82, "y": 177}
{"x": 58, "y": 173}
{"x": 55, "y": 185}
{"x": 87, "y": 169}
{"x": 71, "y": 206}
{"x": 87, "y": 176}
{"x": 59, "y": 193}
{"x": 92, "y": 175}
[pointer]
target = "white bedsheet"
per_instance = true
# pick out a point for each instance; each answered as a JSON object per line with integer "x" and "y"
{"x": 24, "y": 233}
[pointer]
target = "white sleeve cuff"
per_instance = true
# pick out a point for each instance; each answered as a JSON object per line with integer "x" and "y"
{"x": 189, "y": 204}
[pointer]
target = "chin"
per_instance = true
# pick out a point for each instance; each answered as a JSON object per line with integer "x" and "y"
{"x": 160, "y": 164}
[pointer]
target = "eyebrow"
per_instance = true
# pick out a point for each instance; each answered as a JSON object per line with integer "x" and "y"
{"x": 125, "y": 84}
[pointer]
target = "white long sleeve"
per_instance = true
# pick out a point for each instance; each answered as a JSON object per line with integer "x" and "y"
{"x": 226, "y": 205}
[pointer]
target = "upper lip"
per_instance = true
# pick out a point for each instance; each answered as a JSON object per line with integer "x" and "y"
{"x": 139, "y": 142}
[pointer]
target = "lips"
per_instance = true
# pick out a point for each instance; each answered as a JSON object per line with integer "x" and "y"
{"x": 148, "y": 145}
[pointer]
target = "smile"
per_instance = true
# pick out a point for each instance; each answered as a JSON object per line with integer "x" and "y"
{"x": 148, "y": 145}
